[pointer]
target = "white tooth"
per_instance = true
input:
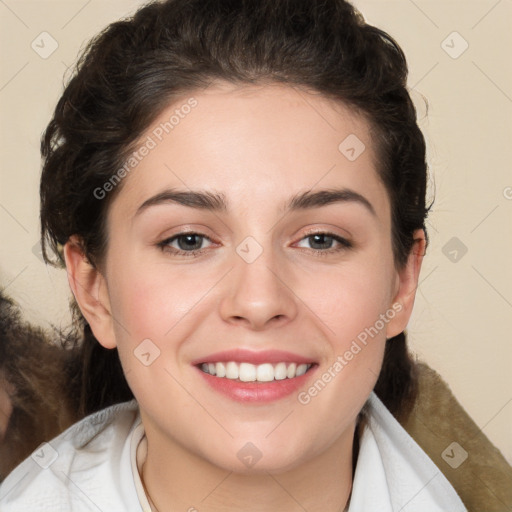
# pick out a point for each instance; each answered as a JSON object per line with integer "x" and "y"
{"x": 290, "y": 373}
{"x": 232, "y": 370}
{"x": 280, "y": 371}
{"x": 265, "y": 372}
{"x": 220, "y": 370}
{"x": 247, "y": 372}
{"x": 301, "y": 370}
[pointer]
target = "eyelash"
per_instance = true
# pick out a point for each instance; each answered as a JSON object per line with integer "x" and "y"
{"x": 344, "y": 244}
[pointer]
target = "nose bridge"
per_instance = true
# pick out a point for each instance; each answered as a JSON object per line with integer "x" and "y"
{"x": 257, "y": 291}
{"x": 255, "y": 262}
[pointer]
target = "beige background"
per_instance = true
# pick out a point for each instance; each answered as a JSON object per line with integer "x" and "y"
{"x": 461, "y": 324}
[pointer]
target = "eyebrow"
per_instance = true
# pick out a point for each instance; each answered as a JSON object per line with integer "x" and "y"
{"x": 216, "y": 202}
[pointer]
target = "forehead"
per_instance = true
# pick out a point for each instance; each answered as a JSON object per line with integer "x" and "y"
{"x": 256, "y": 144}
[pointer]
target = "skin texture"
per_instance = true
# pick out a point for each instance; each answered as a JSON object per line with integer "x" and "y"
{"x": 258, "y": 146}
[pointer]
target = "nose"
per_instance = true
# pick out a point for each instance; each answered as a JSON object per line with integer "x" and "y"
{"x": 259, "y": 294}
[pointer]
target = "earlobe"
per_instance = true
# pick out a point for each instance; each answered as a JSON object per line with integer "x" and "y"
{"x": 407, "y": 283}
{"x": 89, "y": 288}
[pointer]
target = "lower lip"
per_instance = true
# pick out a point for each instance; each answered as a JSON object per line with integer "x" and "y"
{"x": 259, "y": 392}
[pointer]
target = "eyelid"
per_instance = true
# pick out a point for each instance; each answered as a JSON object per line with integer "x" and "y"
{"x": 323, "y": 231}
{"x": 330, "y": 229}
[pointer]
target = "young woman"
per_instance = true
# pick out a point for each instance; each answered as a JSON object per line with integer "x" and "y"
{"x": 237, "y": 191}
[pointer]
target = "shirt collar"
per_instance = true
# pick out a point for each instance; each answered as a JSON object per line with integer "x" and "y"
{"x": 393, "y": 473}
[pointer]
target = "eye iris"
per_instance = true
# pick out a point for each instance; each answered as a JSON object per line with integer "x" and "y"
{"x": 191, "y": 239}
{"x": 325, "y": 245}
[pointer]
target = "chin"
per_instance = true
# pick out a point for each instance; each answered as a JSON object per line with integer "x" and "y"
{"x": 253, "y": 458}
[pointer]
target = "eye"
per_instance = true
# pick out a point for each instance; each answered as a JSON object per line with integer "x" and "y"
{"x": 184, "y": 243}
{"x": 323, "y": 242}
{"x": 191, "y": 243}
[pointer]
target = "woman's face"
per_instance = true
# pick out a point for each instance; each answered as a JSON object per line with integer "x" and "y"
{"x": 277, "y": 192}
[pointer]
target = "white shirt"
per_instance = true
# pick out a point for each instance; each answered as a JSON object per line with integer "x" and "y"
{"x": 92, "y": 467}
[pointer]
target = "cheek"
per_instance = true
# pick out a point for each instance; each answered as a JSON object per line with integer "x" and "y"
{"x": 157, "y": 309}
{"x": 349, "y": 300}
{"x": 353, "y": 307}
{"x": 149, "y": 300}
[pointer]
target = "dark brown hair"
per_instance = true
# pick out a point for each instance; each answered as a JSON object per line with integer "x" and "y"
{"x": 137, "y": 66}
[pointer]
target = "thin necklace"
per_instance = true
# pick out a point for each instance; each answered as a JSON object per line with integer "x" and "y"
{"x": 347, "y": 506}
{"x": 154, "y": 509}
{"x": 146, "y": 492}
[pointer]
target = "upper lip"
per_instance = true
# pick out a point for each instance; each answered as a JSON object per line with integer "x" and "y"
{"x": 241, "y": 355}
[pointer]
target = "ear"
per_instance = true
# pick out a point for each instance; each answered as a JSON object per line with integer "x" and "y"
{"x": 90, "y": 290}
{"x": 406, "y": 285}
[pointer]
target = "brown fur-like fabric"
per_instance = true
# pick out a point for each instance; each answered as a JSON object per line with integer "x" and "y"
{"x": 484, "y": 479}
{"x": 35, "y": 371}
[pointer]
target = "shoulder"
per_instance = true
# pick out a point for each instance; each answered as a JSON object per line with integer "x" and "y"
{"x": 402, "y": 475}
{"x": 83, "y": 468}
{"x": 457, "y": 445}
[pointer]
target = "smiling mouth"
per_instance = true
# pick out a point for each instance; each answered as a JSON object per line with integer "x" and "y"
{"x": 248, "y": 372}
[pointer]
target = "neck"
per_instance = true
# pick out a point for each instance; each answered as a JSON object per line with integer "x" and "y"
{"x": 193, "y": 484}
